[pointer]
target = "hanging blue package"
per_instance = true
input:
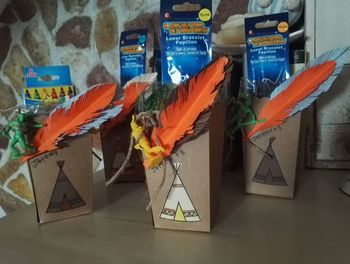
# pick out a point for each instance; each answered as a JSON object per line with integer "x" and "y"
{"x": 267, "y": 53}
{"x": 185, "y": 38}
{"x": 132, "y": 54}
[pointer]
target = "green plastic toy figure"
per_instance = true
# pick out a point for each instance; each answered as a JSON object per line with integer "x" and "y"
{"x": 21, "y": 125}
{"x": 241, "y": 114}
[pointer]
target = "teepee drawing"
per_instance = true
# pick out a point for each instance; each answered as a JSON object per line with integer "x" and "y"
{"x": 178, "y": 206}
{"x": 269, "y": 171}
{"x": 64, "y": 195}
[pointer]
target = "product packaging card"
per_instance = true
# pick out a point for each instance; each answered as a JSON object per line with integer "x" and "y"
{"x": 47, "y": 85}
{"x": 267, "y": 53}
{"x": 185, "y": 38}
{"x": 132, "y": 54}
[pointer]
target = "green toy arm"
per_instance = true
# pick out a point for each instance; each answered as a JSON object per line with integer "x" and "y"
{"x": 37, "y": 125}
{"x": 34, "y": 124}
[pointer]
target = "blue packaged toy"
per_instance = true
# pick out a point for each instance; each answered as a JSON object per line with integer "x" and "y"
{"x": 47, "y": 85}
{"x": 132, "y": 54}
{"x": 185, "y": 38}
{"x": 267, "y": 53}
{"x": 157, "y": 57}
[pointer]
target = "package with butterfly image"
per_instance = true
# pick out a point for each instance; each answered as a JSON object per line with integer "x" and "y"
{"x": 185, "y": 38}
{"x": 267, "y": 53}
{"x": 132, "y": 54}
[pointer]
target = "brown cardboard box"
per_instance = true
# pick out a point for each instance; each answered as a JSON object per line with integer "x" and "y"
{"x": 115, "y": 147}
{"x": 189, "y": 198}
{"x": 273, "y": 174}
{"x": 62, "y": 180}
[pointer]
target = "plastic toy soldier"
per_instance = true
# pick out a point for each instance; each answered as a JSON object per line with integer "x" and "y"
{"x": 21, "y": 125}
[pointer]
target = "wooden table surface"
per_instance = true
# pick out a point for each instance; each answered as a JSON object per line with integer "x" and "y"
{"x": 312, "y": 228}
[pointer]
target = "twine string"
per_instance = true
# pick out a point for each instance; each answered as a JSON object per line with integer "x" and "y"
{"x": 155, "y": 195}
{"x": 124, "y": 164}
{"x": 256, "y": 146}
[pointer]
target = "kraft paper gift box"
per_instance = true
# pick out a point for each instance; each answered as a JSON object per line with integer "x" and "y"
{"x": 271, "y": 160}
{"x": 62, "y": 180}
{"x": 189, "y": 197}
{"x": 115, "y": 146}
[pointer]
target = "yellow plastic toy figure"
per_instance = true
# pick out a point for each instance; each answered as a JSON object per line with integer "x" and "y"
{"x": 153, "y": 155}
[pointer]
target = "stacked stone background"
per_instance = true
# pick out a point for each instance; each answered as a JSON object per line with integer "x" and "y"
{"x": 83, "y": 34}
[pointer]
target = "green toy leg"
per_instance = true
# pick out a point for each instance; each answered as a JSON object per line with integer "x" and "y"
{"x": 23, "y": 144}
{"x": 19, "y": 138}
{"x": 15, "y": 154}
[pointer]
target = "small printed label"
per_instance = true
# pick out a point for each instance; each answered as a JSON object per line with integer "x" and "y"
{"x": 204, "y": 14}
{"x": 282, "y": 27}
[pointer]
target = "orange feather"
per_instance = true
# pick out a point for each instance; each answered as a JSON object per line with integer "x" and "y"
{"x": 278, "y": 109}
{"x": 132, "y": 90}
{"x": 66, "y": 121}
{"x": 196, "y": 96}
{"x": 131, "y": 94}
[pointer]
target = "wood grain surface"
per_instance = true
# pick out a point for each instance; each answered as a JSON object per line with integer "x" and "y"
{"x": 312, "y": 228}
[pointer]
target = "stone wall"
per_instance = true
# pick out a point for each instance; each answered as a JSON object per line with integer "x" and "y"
{"x": 81, "y": 33}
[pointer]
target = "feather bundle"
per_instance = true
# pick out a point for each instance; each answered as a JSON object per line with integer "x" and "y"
{"x": 75, "y": 117}
{"x": 193, "y": 98}
{"x": 302, "y": 89}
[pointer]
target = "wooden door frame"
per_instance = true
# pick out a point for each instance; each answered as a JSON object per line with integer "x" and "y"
{"x": 309, "y": 115}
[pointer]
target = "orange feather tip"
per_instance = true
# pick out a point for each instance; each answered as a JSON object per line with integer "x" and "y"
{"x": 194, "y": 97}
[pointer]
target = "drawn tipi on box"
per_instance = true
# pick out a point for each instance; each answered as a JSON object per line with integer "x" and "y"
{"x": 178, "y": 205}
{"x": 269, "y": 171}
{"x": 64, "y": 195}
{"x": 119, "y": 158}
